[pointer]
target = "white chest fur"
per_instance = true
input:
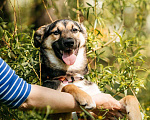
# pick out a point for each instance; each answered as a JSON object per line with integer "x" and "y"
{"x": 90, "y": 89}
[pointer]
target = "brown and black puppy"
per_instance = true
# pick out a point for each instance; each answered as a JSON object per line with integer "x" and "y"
{"x": 64, "y": 63}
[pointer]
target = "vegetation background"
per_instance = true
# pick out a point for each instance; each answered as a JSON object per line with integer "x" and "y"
{"x": 117, "y": 47}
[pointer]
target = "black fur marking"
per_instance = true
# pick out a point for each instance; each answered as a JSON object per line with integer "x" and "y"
{"x": 72, "y": 78}
{"x": 47, "y": 77}
{"x": 49, "y": 28}
{"x": 56, "y": 32}
{"x": 64, "y": 22}
{"x": 52, "y": 73}
{"x": 54, "y": 84}
{"x": 37, "y": 40}
{"x": 57, "y": 46}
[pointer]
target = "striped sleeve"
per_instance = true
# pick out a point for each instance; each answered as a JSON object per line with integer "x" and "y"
{"x": 13, "y": 90}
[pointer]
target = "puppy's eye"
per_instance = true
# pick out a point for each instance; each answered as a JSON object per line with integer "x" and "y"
{"x": 56, "y": 32}
{"x": 75, "y": 30}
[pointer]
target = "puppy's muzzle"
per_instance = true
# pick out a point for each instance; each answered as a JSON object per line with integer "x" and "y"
{"x": 66, "y": 49}
{"x": 68, "y": 43}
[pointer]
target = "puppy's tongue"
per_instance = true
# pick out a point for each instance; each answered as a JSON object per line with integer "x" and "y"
{"x": 69, "y": 58}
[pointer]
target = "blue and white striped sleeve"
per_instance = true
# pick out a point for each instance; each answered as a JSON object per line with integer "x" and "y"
{"x": 13, "y": 90}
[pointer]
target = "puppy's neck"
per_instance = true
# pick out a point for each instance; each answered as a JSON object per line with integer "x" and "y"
{"x": 55, "y": 67}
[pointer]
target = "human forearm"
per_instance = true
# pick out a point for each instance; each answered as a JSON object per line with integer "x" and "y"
{"x": 60, "y": 102}
{"x": 40, "y": 97}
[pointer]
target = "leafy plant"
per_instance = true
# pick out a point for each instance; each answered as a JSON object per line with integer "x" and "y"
{"x": 116, "y": 48}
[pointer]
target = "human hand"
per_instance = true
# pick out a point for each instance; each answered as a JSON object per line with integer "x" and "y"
{"x": 106, "y": 101}
{"x": 107, "y": 106}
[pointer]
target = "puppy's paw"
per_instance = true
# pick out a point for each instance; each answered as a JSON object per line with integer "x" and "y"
{"x": 85, "y": 100}
{"x": 81, "y": 97}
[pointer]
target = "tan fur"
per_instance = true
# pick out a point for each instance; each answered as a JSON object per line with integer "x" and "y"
{"x": 131, "y": 105}
{"x": 60, "y": 26}
{"x": 82, "y": 97}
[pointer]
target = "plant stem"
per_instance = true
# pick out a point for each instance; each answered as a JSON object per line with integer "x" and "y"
{"x": 47, "y": 11}
{"x": 78, "y": 14}
{"x": 95, "y": 10}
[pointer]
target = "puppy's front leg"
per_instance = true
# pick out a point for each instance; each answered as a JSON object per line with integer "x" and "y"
{"x": 80, "y": 96}
{"x": 131, "y": 105}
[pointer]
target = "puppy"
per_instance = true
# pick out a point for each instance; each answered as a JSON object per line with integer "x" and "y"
{"x": 64, "y": 64}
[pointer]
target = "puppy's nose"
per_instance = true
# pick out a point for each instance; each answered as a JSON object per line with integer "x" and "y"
{"x": 69, "y": 42}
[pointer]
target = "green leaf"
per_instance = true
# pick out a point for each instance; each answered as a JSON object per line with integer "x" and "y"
{"x": 1, "y": 31}
{"x": 87, "y": 113}
{"x": 88, "y": 12}
{"x": 88, "y": 4}
{"x": 99, "y": 32}
{"x": 121, "y": 41}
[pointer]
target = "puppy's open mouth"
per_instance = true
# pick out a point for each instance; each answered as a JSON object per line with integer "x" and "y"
{"x": 66, "y": 52}
{"x": 69, "y": 56}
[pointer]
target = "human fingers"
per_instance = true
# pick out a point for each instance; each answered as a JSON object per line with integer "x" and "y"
{"x": 106, "y": 101}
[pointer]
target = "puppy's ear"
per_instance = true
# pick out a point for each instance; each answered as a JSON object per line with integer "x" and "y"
{"x": 38, "y": 36}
